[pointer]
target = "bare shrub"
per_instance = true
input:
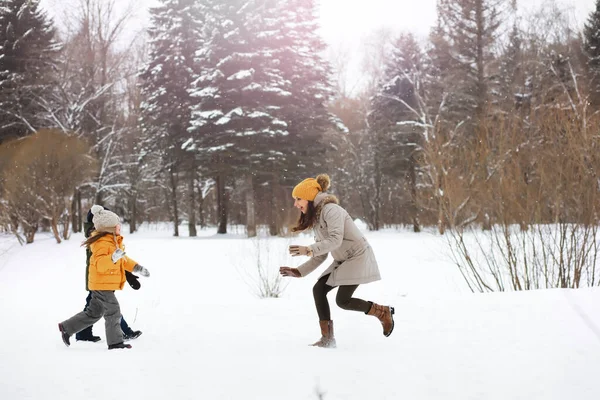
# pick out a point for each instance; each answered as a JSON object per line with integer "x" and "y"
{"x": 38, "y": 183}
{"x": 541, "y": 187}
{"x": 510, "y": 258}
{"x": 260, "y": 271}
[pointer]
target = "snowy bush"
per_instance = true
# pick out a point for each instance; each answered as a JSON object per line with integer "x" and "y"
{"x": 260, "y": 271}
{"x": 507, "y": 257}
{"x": 39, "y": 180}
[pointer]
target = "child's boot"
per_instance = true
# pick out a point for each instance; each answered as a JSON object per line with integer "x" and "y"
{"x": 131, "y": 334}
{"x": 119, "y": 346}
{"x": 86, "y": 335}
{"x": 64, "y": 335}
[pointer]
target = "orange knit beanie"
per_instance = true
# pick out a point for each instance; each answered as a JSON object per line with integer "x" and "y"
{"x": 310, "y": 187}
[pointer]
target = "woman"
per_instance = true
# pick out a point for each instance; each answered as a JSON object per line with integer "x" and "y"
{"x": 354, "y": 261}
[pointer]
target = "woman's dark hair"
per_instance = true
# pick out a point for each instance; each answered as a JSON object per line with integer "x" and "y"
{"x": 93, "y": 238}
{"x": 306, "y": 221}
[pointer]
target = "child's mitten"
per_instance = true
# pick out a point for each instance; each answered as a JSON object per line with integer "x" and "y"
{"x": 117, "y": 255}
{"x": 133, "y": 280}
{"x": 141, "y": 270}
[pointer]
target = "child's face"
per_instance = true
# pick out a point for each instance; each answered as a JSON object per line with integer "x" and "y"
{"x": 118, "y": 229}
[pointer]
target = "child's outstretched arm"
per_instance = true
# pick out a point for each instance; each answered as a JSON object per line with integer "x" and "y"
{"x": 129, "y": 263}
{"x": 141, "y": 270}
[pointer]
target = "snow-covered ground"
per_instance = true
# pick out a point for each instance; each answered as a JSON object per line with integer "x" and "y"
{"x": 206, "y": 336}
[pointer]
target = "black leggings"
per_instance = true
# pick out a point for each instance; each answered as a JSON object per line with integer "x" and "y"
{"x": 343, "y": 299}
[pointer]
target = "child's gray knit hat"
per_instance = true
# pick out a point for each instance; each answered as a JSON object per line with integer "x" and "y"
{"x": 104, "y": 220}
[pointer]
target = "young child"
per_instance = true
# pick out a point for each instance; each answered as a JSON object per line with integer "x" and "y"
{"x": 87, "y": 334}
{"x": 108, "y": 264}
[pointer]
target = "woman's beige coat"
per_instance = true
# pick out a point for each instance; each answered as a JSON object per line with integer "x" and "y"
{"x": 335, "y": 232}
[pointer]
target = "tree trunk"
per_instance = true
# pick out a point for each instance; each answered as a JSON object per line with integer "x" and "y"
{"x": 413, "y": 195}
{"x": 133, "y": 212}
{"x": 54, "y": 225}
{"x": 201, "y": 210}
{"x": 250, "y": 207}
{"x": 14, "y": 223}
{"x": 173, "y": 180}
{"x": 98, "y": 198}
{"x": 377, "y": 201}
{"x": 221, "y": 204}
{"x": 440, "y": 197}
{"x": 64, "y": 222}
{"x": 74, "y": 213}
{"x": 80, "y": 216}
{"x": 192, "y": 205}
{"x": 29, "y": 231}
{"x": 273, "y": 231}
{"x": 480, "y": 62}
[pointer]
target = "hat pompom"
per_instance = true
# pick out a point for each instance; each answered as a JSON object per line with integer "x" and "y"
{"x": 96, "y": 209}
{"x": 323, "y": 181}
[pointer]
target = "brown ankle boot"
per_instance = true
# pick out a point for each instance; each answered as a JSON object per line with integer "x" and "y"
{"x": 385, "y": 314}
{"x": 327, "y": 340}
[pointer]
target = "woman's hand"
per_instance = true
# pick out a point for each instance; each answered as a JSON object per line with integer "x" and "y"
{"x": 296, "y": 250}
{"x": 287, "y": 271}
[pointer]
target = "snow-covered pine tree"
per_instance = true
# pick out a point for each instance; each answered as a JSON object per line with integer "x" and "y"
{"x": 28, "y": 53}
{"x": 396, "y": 118}
{"x": 292, "y": 34}
{"x": 175, "y": 35}
{"x": 513, "y": 91}
{"x": 239, "y": 92}
{"x": 470, "y": 29}
{"x": 591, "y": 36}
{"x": 288, "y": 30}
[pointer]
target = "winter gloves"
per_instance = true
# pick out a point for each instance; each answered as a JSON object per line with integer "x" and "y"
{"x": 132, "y": 280}
{"x": 117, "y": 255}
{"x": 296, "y": 250}
{"x": 287, "y": 271}
{"x": 141, "y": 270}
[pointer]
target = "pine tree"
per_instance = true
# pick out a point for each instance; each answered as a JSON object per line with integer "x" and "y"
{"x": 235, "y": 95}
{"x": 28, "y": 53}
{"x": 298, "y": 46}
{"x": 591, "y": 33}
{"x": 395, "y": 120}
{"x": 239, "y": 89}
{"x": 511, "y": 89}
{"x": 289, "y": 32}
{"x": 261, "y": 92}
{"x": 470, "y": 28}
{"x": 175, "y": 35}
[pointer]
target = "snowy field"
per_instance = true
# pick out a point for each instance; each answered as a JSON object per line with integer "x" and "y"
{"x": 207, "y": 336}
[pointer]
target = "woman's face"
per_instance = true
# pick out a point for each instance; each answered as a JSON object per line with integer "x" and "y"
{"x": 118, "y": 229}
{"x": 301, "y": 205}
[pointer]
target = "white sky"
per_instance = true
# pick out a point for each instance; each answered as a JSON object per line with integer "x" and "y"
{"x": 346, "y": 23}
{"x": 350, "y": 20}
